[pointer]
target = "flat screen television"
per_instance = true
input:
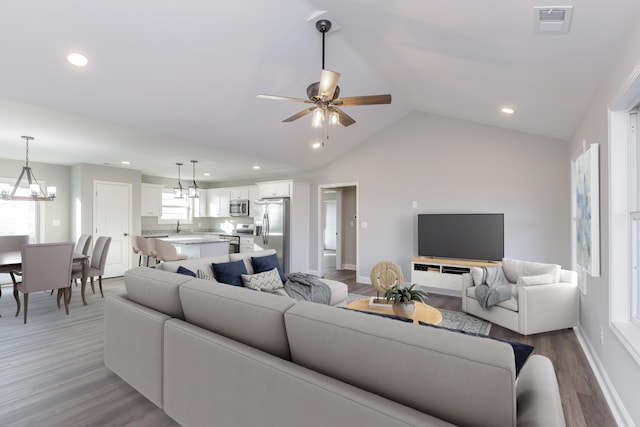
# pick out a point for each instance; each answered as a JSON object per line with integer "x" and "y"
{"x": 465, "y": 236}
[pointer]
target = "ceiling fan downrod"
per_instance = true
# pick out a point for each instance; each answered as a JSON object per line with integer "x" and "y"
{"x": 323, "y": 25}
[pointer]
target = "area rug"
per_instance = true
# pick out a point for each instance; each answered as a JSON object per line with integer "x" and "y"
{"x": 451, "y": 319}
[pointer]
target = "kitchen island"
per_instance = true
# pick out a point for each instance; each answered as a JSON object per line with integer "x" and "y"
{"x": 199, "y": 246}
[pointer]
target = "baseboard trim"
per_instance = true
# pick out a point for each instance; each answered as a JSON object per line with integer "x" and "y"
{"x": 348, "y": 267}
{"x": 610, "y": 394}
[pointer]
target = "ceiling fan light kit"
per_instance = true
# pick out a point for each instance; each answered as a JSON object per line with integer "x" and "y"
{"x": 325, "y": 95}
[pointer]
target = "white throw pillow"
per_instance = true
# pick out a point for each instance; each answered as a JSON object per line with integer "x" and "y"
{"x": 201, "y": 274}
{"x": 540, "y": 279}
{"x": 476, "y": 274}
{"x": 267, "y": 280}
{"x": 514, "y": 268}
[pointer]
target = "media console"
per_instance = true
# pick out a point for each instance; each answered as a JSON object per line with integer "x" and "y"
{"x": 443, "y": 275}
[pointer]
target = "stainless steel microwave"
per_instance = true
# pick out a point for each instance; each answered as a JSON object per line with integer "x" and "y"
{"x": 239, "y": 208}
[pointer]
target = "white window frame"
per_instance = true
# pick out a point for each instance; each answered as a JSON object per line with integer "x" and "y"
{"x": 624, "y": 208}
{"x": 168, "y": 201}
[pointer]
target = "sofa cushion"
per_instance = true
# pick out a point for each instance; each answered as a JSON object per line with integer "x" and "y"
{"x": 454, "y": 377}
{"x": 155, "y": 289}
{"x": 521, "y": 351}
{"x": 267, "y": 280}
{"x": 540, "y": 279}
{"x": 229, "y": 272}
{"x": 514, "y": 268}
{"x": 252, "y": 318}
{"x": 266, "y": 263}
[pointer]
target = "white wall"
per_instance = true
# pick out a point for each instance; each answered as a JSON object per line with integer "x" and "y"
{"x": 620, "y": 368}
{"x": 448, "y": 165}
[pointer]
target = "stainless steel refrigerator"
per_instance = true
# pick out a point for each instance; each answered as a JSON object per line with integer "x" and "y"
{"x": 271, "y": 219}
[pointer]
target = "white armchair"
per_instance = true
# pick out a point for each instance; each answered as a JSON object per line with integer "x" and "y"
{"x": 543, "y": 297}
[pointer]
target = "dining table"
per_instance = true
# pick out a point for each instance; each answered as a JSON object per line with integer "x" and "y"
{"x": 12, "y": 260}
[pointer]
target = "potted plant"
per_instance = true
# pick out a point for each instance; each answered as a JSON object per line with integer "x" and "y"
{"x": 403, "y": 299}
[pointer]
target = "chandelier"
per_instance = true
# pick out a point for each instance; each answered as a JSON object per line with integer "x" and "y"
{"x": 35, "y": 191}
{"x": 194, "y": 191}
{"x": 178, "y": 191}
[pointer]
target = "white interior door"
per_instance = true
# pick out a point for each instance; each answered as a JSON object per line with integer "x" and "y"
{"x": 112, "y": 217}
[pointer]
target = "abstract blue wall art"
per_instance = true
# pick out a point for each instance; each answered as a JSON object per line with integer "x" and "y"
{"x": 588, "y": 210}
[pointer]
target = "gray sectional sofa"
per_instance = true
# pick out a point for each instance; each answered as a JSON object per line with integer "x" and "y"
{"x": 218, "y": 355}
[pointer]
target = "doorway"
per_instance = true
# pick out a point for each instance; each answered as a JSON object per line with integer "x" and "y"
{"x": 338, "y": 231}
{"x": 112, "y": 217}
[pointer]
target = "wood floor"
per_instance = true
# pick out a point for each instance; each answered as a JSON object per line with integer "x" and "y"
{"x": 582, "y": 399}
{"x": 52, "y": 371}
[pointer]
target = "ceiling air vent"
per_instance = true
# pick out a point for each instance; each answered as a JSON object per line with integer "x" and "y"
{"x": 552, "y": 19}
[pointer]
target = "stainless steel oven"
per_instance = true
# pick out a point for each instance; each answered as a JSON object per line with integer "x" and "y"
{"x": 239, "y": 207}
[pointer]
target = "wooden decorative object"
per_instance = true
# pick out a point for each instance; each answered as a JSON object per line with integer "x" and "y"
{"x": 386, "y": 275}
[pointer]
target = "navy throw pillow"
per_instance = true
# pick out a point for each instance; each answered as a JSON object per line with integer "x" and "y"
{"x": 266, "y": 263}
{"x": 229, "y": 272}
{"x": 521, "y": 351}
{"x": 389, "y": 316}
{"x": 185, "y": 271}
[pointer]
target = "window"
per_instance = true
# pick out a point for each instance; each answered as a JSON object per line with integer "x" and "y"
{"x": 624, "y": 219}
{"x": 19, "y": 217}
{"x": 174, "y": 210}
{"x": 634, "y": 215}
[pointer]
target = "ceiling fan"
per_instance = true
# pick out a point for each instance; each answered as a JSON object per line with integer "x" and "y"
{"x": 325, "y": 94}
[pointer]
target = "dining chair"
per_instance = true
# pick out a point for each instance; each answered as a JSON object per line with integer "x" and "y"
{"x": 44, "y": 266}
{"x": 165, "y": 251}
{"x": 13, "y": 243}
{"x": 84, "y": 243}
{"x": 98, "y": 261}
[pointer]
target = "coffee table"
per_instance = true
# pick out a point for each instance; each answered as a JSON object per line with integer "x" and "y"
{"x": 424, "y": 313}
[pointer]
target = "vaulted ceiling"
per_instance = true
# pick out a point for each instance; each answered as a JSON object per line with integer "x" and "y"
{"x": 172, "y": 81}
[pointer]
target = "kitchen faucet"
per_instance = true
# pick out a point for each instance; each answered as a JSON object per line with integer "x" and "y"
{"x": 178, "y": 227}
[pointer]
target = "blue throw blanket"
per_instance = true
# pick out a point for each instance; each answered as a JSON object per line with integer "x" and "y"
{"x": 307, "y": 287}
{"x": 494, "y": 289}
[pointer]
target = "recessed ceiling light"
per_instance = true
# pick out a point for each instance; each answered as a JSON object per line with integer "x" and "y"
{"x": 77, "y": 59}
{"x": 206, "y": 174}
{"x": 124, "y": 162}
{"x": 256, "y": 167}
{"x": 508, "y": 110}
{"x": 316, "y": 145}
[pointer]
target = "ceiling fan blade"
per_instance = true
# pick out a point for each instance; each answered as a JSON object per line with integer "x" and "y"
{"x": 283, "y": 98}
{"x": 300, "y": 114}
{"x": 363, "y": 100}
{"x": 345, "y": 119}
{"x": 328, "y": 82}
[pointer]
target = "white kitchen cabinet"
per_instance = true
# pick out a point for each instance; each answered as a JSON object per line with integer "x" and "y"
{"x": 246, "y": 244}
{"x": 201, "y": 204}
{"x": 151, "y": 199}
{"x": 240, "y": 193}
{"x": 274, "y": 189}
{"x": 218, "y": 202}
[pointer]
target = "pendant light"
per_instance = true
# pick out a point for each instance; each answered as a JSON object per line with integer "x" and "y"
{"x": 194, "y": 191}
{"x": 178, "y": 191}
{"x": 35, "y": 191}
